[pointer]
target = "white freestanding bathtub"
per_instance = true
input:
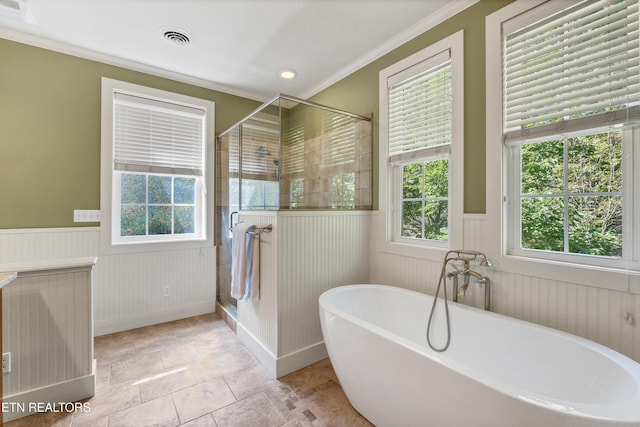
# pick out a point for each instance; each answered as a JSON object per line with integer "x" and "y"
{"x": 497, "y": 371}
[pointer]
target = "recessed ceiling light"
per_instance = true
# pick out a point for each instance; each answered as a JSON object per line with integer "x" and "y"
{"x": 287, "y": 74}
{"x": 176, "y": 37}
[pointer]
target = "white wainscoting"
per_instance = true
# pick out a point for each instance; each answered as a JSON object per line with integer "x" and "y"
{"x": 594, "y": 313}
{"x": 258, "y": 318}
{"x": 128, "y": 288}
{"x": 48, "y": 329}
{"x": 307, "y": 253}
{"x": 316, "y": 252}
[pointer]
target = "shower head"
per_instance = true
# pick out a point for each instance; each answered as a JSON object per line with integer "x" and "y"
{"x": 485, "y": 262}
{"x": 262, "y": 151}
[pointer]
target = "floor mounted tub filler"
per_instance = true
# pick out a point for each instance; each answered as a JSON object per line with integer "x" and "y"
{"x": 497, "y": 371}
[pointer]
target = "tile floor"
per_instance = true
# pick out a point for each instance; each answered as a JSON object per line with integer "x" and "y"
{"x": 195, "y": 372}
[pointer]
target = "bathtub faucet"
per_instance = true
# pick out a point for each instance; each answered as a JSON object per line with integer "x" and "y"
{"x": 466, "y": 257}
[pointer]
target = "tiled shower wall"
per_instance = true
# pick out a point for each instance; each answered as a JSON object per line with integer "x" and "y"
{"x": 593, "y": 313}
{"x": 222, "y": 223}
{"x": 320, "y": 167}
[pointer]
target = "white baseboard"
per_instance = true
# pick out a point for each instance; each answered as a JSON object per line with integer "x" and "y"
{"x": 60, "y": 397}
{"x": 265, "y": 357}
{"x": 301, "y": 358}
{"x": 154, "y": 318}
{"x": 280, "y": 366}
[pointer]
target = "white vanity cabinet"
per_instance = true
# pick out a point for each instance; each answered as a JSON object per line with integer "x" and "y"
{"x": 47, "y": 326}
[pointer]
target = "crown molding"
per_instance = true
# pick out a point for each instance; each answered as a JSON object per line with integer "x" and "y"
{"x": 80, "y": 52}
{"x": 444, "y": 13}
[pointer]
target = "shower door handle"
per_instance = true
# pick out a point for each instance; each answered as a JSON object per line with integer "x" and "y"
{"x": 231, "y": 224}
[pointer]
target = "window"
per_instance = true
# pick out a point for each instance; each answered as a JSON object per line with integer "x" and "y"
{"x": 569, "y": 130}
{"x": 342, "y": 192}
{"x": 296, "y": 193}
{"x": 421, "y": 146}
{"x": 424, "y": 200}
{"x": 154, "y": 165}
{"x": 570, "y": 195}
{"x": 293, "y": 163}
{"x": 256, "y": 194}
{"x": 152, "y": 205}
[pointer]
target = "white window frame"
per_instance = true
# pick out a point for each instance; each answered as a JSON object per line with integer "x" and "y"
{"x": 390, "y": 177}
{"x": 513, "y": 214}
{"x": 620, "y": 275}
{"x": 109, "y": 178}
{"x": 198, "y": 205}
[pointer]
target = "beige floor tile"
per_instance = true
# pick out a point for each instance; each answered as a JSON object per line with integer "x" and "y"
{"x": 109, "y": 400}
{"x": 159, "y": 413}
{"x": 100, "y": 422}
{"x": 137, "y": 367}
{"x": 304, "y": 380}
{"x": 213, "y": 363}
{"x": 253, "y": 411}
{"x": 218, "y": 339}
{"x": 303, "y": 422}
{"x": 192, "y": 370}
{"x": 167, "y": 382}
{"x": 132, "y": 335}
{"x": 249, "y": 381}
{"x": 107, "y": 351}
{"x": 328, "y": 402}
{"x": 103, "y": 376}
{"x": 179, "y": 354}
{"x": 51, "y": 419}
{"x": 203, "y": 421}
{"x": 202, "y": 398}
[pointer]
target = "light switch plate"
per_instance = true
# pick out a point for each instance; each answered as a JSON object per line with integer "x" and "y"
{"x": 6, "y": 362}
{"x": 84, "y": 215}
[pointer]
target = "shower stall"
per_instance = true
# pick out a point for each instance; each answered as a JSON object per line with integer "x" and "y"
{"x": 289, "y": 155}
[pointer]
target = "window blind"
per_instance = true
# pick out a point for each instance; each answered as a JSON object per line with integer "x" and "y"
{"x": 293, "y": 149}
{"x": 420, "y": 109}
{"x": 154, "y": 136}
{"x": 338, "y": 140}
{"x": 577, "y": 69}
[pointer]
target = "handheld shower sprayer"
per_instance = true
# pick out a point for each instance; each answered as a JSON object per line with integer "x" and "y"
{"x": 465, "y": 256}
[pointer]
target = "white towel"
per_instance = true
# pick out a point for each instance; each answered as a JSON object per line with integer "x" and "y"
{"x": 253, "y": 264}
{"x": 239, "y": 260}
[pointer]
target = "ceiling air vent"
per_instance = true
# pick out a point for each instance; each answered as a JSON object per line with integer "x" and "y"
{"x": 11, "y": 4}
{"x": 176, "y": 37}
{"x": 17, "y": 9}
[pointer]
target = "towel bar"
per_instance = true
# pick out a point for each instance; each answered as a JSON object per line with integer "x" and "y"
{"x": 258, "y": 230}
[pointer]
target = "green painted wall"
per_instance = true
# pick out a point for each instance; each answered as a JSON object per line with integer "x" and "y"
{"x": 50, "y": 131}
{"x": 358, "y": 93}
{"x": 50, "y": 120}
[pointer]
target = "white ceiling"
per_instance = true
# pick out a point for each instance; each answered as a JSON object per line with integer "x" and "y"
{"x": 238, "y": 46}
